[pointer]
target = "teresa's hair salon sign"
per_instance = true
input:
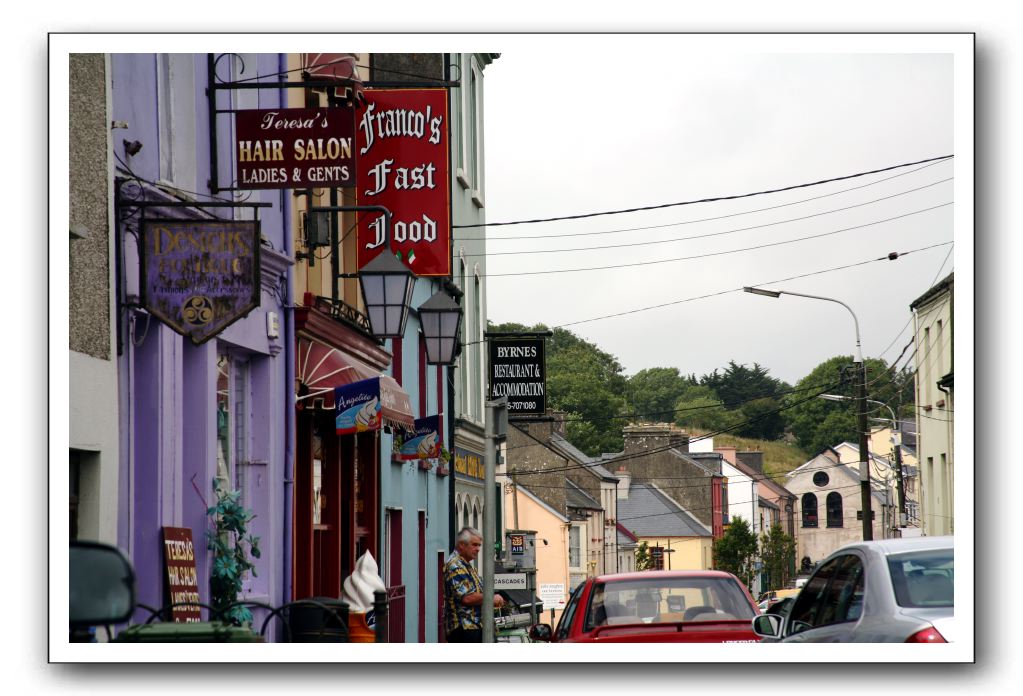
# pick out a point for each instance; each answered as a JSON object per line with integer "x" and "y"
{"x": 199, "y": 276}
{"x": 295, "y": 148}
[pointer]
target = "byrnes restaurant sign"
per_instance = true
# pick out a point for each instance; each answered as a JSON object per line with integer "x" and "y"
{"x": 518, "y": 371}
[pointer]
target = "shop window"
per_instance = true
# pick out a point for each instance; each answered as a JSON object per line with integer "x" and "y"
{"x": 232, "y": 422}
{"x": 574, "y": 546}
{"x": 809, "y": 510}
{"x": 834, "y": 509}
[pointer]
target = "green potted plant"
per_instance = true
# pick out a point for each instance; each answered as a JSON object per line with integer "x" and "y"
{"x": 233, "y": 550}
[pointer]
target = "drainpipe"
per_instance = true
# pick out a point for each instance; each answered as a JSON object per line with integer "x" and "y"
{"x": 289, "y": 380}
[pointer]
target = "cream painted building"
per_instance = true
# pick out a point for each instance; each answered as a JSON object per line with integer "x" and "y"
{"x": 828, "y": 506}
{"x": 933, "y": 360}
{"x": 552, "y": 536}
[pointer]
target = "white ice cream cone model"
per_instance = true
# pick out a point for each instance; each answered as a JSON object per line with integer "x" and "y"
{"x": 357, "y": 592}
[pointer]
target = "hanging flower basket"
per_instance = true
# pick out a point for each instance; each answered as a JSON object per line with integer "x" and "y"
{"x": 425, "y": 464}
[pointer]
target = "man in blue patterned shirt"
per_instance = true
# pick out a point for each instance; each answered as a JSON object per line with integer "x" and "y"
{"x": 463, "y": 590}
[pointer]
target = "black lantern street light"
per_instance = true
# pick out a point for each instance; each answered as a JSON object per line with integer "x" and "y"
{"x": 386, "y": 282}
{"x": 440, "y": 316}
{"x": 861, "y": 404}
{"x": 387, "y": 286}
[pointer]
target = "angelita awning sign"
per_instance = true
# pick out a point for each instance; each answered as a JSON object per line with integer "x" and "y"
{"x": 199, "y": 276}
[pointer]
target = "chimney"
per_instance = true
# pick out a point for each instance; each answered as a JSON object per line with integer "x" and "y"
{"x": 559, "y": 422}
{"x": 624, "y": 482}
{"x": 754, "y": 460}
{"x": 640, "y": 438}
{"x": 728, "y": 452}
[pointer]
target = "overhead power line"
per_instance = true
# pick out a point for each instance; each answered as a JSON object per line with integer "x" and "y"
{"x": 704, "y": 200}
{"x": 651, "y": 262}
{"x": 707, "y": 219}
{"x": 652, "y": 242}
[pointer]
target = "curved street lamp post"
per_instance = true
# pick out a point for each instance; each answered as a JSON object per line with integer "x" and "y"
{"x": 861, "y": 410}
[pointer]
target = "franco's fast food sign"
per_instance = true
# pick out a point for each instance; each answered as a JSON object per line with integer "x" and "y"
{"x": 402, "y": 142}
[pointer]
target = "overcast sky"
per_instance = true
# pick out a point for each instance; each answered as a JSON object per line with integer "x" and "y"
{"x": 578, "y": 126}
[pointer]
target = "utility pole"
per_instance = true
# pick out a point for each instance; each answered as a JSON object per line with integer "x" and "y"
{"x": 496, "y": 430}
{"x": 861, "y": 427}
{"x": 899, "y": 484}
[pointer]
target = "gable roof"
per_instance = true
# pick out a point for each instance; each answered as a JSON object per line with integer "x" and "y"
{"x": 532, "y": 496}
{"x": 649, "y": 512}
{"x": 576, "y": 497}
{"x": 565, "y": 447}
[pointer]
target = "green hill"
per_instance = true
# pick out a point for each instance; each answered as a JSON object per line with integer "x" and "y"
{"x": 780, "y": 457}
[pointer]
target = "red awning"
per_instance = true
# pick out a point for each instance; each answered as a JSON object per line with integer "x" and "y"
{"x": 320, "y": 368}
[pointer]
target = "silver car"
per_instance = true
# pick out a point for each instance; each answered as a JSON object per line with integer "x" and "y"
{"x": 890, "y": 591}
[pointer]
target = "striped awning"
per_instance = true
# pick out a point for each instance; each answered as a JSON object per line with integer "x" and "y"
{"x": 321, "y": 368}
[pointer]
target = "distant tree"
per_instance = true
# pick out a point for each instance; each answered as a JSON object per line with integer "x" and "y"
{"x": 762, "y": 418}
{"x": 817, "y": 423}
{"x": 699, "y": 407}
{"x": 739, "y": 383}
{"x": 736, "y": 551}
{"x": 778, "y": 553}
{"x": 643, "y": 559}
{"x": 653, "y": 392}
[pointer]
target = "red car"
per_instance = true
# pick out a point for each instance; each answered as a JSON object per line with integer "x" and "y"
{"x": 656, "y": 606}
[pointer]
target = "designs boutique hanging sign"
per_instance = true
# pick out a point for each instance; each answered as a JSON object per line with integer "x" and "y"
{"x": 199, "y": 276}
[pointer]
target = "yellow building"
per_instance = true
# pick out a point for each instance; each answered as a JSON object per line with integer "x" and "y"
{"x": 678, "y": 541}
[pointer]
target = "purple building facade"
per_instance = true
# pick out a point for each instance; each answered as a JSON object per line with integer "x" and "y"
{"x": 190, "y": 413}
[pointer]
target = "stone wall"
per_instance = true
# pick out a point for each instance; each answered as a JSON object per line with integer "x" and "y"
{"x": 89, "y": 271}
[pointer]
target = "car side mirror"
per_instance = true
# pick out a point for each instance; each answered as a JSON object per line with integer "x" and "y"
{"x": 102, "y": 585}
{"x": 540, "y": 633}
{"x": 767, "y": 626}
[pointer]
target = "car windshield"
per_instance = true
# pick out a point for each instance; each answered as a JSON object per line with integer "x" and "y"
{"x": 667, "y": 600}
{"x": 923, "y": 578}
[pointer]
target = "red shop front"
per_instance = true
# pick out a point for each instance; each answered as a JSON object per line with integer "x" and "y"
{"x": 337, "y": 483}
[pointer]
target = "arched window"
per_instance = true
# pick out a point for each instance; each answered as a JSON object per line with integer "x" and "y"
{"x": 809, "y": 510}
{"x": 475, "y": 516}
{"x": 465, "y": 514}
{"x": 834, "y": 507}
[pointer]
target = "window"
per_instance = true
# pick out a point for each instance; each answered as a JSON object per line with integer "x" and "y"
{"x": 574, "y": 547}
{"x": 74, "y": 488}
{"x": 232, "y": 422}
{"x": 478, "y": 365}
{"x": 834, "y": 509}
{"x": 833, "y": 595}
{"x": 465, "y": 408}
{"x": 565, "y": 624}
{"x": 809, "y": 510}
{"x": 176, "y": 117}
{"x": 821, "y": 479}
{"x": 803, "y": 614}
{"x": 924, "y": 578}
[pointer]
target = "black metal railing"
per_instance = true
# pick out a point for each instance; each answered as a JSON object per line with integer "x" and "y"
{"x": 312, "y": 620}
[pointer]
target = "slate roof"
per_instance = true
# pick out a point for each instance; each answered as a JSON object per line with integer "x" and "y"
{"x": 576, "y": 497}
{"x": 559, "y": 443}
{"x": 649, "y": 512}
